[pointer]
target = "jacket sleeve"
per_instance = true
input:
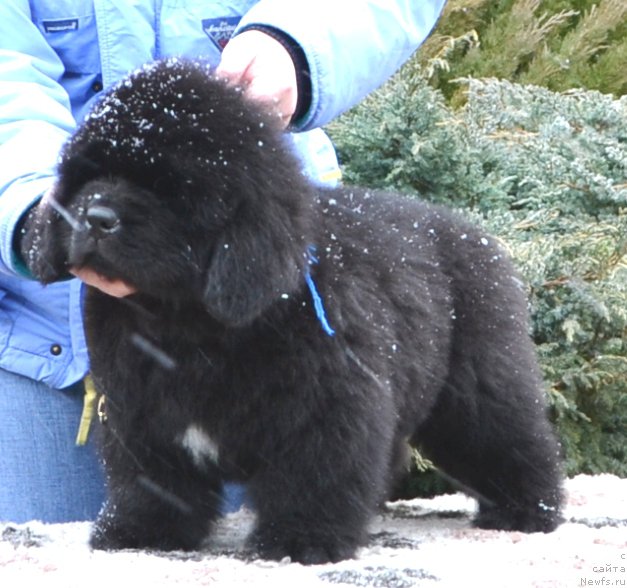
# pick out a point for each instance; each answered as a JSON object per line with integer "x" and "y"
{"x": 35, "y": 119}
{"x": 351, "y": 46}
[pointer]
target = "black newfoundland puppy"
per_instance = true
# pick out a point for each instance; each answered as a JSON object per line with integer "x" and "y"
{"x": 291, "y": 337}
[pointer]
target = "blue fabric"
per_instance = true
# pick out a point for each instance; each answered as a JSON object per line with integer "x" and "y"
{"x": 44, "y": 475}
{"x": 234, "y": 497}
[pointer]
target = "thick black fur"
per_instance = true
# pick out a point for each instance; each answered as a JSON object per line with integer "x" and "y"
{"x": 218, "y": 368}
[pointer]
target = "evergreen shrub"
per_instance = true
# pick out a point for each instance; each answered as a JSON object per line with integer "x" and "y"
{"x": 558, "y": 44}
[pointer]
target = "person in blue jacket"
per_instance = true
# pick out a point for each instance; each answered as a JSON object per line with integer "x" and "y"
{"x": 309, "y": 61}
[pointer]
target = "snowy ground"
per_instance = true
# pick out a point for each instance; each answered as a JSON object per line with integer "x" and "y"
{"x": 415, "y": 543}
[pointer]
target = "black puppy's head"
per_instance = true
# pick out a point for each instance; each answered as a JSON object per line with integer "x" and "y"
{"x": 178, "y": 185}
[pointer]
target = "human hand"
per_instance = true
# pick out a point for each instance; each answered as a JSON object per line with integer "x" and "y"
{"x": 115, "y": 288}
{"x": 263, "y": 67}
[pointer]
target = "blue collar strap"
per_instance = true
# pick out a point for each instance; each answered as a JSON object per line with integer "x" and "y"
{"x": 317, "y": 300}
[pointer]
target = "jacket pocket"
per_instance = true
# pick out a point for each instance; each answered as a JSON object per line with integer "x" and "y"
{"x": 70, "y": 29}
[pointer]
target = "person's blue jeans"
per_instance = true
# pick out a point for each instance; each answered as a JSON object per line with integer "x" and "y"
{"x": 44, "y": 475}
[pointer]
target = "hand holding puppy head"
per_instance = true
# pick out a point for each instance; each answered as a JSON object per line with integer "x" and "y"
{"x": 264, "y": 68}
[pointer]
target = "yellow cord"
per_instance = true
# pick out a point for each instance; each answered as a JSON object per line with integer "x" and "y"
{"x": 329, "y": 176}
{"x": 89, "y": 406}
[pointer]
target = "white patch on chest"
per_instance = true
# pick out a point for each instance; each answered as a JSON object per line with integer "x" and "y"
{"x": 200, "y": 446}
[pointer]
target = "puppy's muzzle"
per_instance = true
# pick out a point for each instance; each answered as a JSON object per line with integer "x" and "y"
{"x": 101, "y": 221}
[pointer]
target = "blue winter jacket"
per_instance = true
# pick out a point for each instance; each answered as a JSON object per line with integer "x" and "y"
{"x": 56, "y": 56}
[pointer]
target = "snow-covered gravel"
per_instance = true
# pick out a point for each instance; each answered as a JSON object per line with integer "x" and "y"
{"x": 415, "y": 543}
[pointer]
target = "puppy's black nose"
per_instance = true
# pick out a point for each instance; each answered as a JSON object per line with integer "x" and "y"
{"x": 102, "y": 220}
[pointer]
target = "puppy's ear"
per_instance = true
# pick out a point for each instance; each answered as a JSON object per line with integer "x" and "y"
{"x": 255, "y": 263}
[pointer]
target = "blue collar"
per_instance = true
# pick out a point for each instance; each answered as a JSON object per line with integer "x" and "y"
{"x": 317, "y": 300}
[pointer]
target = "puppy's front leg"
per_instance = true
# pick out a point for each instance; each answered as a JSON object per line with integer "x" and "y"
{"x": 315, "y": 500}
{"x": 156, "y": 499}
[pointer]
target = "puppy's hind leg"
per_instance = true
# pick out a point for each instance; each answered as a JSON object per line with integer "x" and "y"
{"x": 496, "y": 441}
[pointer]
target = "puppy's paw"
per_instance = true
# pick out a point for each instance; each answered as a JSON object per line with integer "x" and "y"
{"x": 542, "y": 519}
{"x": 112, "y": 534}
{"x": 111, "y": 537}
{"x": 275, "y": 545}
